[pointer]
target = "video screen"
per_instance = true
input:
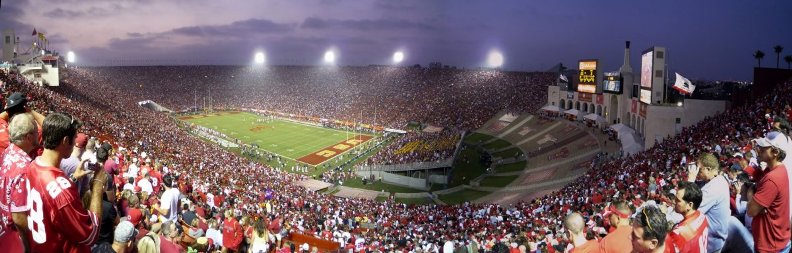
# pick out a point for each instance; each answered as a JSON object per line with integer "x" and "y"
{"x": 646, "y": 96}
{"x": 612, "y": 83}
{"x": 646, "y": 69}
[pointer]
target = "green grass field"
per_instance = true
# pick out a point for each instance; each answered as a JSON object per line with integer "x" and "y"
{"x": 288, "y": 139}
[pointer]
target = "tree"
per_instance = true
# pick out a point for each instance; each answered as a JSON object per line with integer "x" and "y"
{"x": 778, "y": 49}
{"x": 759, "y": 55}
{"x": 788, "y": 60}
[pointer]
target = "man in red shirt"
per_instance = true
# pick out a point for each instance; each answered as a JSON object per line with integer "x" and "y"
{"x": 57, "y": 221}
{"x": 15, "y": 104}
{"x": 232, "y": 232}
{"x": 23, "y": 132}
{"x": 574, "y": 228}
{"x": 690, "y": 235}
{"x": 769, "y": 205}
{"x": 649, "y": 232}
{"x": 619, "y": 239}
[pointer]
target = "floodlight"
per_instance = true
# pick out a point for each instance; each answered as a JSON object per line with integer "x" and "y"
{"x": 398, "y": 57}
{"x": 260, "y": 58}
{"x": 329, "y": 57}
{"x": 70, "y": 57}
{"x": 495, "y": 59}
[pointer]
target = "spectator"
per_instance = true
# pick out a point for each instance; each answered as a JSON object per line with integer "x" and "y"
{"x": 60, "y": 223}
{"x": 260, "y": 243}
{"x": 169, "y": 238}
{"x": 769, "y": 203}
{"x": 232, "y": 232}
{"x": 150, "y": 243}
{"x": 123, "y": 240}
{"x": 214, "y": 234}
{"x": 715, "y": 198}
{"x": 574, "y": 225}
{"x": 16, "y": 104}
{"x": 649, "y": 231}
{"x": 619, "y": 239}
{"x": 24, "y": 138}
{"x": 145, "y": 183}
{"x": 170, "y": 200}
{"x": 69, "y": 165}
{"x": 689, "y": 235}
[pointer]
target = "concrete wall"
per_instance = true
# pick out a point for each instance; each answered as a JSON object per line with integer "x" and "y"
{"x": 418, "y": 183}
{"x": 661, "y": 120}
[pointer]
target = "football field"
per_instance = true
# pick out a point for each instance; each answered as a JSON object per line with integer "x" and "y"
{"x": 305, "y": 143}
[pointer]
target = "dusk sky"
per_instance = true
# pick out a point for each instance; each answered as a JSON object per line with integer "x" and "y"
{"x": 705, "y": 39}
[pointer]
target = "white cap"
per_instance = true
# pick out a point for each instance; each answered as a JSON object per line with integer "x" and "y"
{"x": 772, "y": 139}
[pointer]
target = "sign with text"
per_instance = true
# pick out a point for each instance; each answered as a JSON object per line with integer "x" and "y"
{"x": 587, "y": 76}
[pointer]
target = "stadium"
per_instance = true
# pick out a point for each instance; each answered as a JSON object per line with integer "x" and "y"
{"x": 270, "y": 156}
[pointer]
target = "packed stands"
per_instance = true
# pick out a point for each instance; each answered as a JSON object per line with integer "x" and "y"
{"x": 217, "y": 182}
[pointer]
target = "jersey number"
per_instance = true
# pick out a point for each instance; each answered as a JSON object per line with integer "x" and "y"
{"x": 36, "y": 217}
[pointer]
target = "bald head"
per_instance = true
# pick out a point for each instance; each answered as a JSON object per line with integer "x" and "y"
{"x": 574, "y": 223}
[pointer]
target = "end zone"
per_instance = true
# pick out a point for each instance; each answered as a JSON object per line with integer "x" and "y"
{"x": 327, "y": 153}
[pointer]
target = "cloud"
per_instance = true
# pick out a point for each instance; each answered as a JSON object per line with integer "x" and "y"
{"x": 395, "y": 5}
{"x": 365, "y": 24}
{"x": 91, "y": 12}
{"x": 237, "y": 28}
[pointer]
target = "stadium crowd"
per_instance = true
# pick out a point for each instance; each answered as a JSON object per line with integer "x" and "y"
{"x": 166, "y": 191}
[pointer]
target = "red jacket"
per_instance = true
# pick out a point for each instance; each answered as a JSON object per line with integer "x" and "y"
{"x": 232, "y": 234}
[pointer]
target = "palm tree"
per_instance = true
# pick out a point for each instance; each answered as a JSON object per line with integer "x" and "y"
{"x": 777, "y": 49}
{"x": 788, "y": 60}
{"x": 758, "y": 55}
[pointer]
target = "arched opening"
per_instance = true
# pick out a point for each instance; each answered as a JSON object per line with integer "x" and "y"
{"x": 599, "y": 110}
{"x": 614, "y": 109}
{"x": 569, "y": 104}
{"x": 577, "y": 105}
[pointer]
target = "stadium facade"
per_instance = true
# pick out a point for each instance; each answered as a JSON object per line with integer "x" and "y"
{"x": 636, "y": 105}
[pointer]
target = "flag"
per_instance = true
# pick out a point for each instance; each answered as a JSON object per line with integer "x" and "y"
{"x": 683, "y": 85}
{"x": 34, "y": 32}
{"x": 564, "y": 78}
{"x": 41, "y": 36}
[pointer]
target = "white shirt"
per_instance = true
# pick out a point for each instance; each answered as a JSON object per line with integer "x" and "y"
{"x": 145, "y": 185}
{"x": 215, "y": 235}
{"x": 448, "y": 247}
{"x": 210, "y": 200}
{"x": 170, "y": 200}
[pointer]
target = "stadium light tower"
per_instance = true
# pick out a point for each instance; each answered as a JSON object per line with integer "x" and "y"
{"x": 329, "y": 57}
{"x": 259, "y": 58}
{"x": 495, "y": 59}
{"x": 70, "y": 57}
{"x": 398, "y": 57}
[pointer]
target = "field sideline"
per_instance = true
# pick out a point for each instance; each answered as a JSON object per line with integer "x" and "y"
{"x": 294, "y": 141}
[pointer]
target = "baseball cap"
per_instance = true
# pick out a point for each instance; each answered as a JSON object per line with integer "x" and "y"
{"x": 772, "y": 139}
{"x": 81, "y": 140}
{"x": 135, "y": 216}
{"x": 14, "y": 100}
{"x": 124, "y": 232}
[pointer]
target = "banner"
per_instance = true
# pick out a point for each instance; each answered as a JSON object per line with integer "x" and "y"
{"x": 585, "y": 97}
{"x": 683, "y": 85}
{"x": 642, "y": 112}
{"x": 634, "y": 108}
{"x": 600, "y": 99}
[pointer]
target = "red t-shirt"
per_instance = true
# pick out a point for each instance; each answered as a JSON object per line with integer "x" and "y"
{"x": 57, "y": 220}
{"x": 590, "y": 246}
{"x": 771, "y": 227}
{"x": 232, "y": 234}
{"x": 169, "y": 247}
{"x": 690, "y": 235}
{"x": 617, "y": 241}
